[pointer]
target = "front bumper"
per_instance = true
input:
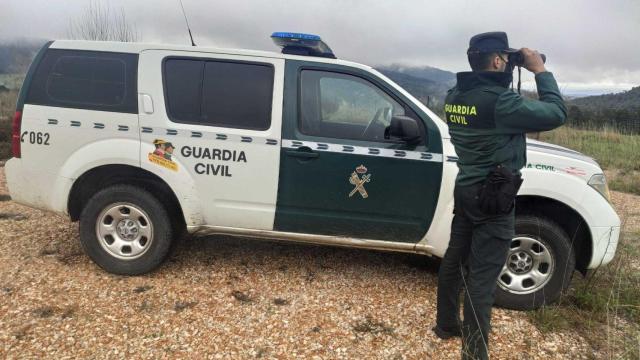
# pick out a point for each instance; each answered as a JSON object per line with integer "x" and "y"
{"x": 605, "y": 242}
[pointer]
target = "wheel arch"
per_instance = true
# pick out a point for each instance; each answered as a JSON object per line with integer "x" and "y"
{"x": 104, "y": 176}
{"x": 567, "y": 218}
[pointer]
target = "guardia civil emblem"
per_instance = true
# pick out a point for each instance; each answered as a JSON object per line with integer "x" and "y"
{"x": 356, "y": 180}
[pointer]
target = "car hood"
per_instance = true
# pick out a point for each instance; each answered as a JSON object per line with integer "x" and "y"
{"x": 543, "y": 147}
{"x": 543, "y": 156}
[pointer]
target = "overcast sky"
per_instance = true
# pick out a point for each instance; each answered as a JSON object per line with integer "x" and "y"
{"x": 589, "y": 44}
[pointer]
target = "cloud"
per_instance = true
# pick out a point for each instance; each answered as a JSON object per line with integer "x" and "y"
{"x": 585, "y": 41}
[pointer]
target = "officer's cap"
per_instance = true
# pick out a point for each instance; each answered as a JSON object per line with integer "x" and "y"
{"x": 495, "y": 41}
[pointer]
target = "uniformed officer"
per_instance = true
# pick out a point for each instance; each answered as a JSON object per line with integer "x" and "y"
{"x": 488, "y": 123}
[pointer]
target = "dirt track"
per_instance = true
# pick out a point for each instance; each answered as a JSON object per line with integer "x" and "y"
{"x": 230, "y": 298}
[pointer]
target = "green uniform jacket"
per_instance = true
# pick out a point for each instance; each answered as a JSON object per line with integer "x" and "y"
{"x": 488, "y": 122}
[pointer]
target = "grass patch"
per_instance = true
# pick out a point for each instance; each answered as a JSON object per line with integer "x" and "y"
{"x": 549, "y": 319}
{"x": 616, "y": 152}
{"x": 5, "y": 138}
{"x": 625, "y": 181}
{"x": 5, "y": 150}
{"x": 8, "y": 100}
{"x": 7, "y": 110}
{"x": 612, "y": 149}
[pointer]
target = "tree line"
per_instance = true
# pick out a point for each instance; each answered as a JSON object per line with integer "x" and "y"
{"x": 625, "y": 120}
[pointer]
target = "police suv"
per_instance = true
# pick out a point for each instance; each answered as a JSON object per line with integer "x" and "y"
{"x": 140, "y": 142}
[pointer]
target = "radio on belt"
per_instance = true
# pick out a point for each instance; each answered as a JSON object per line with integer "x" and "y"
{"x": 302, "y": 44}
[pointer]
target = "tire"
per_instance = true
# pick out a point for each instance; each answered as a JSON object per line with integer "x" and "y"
{"x": 539, "y": 266}
{"x": 126, "y": 230}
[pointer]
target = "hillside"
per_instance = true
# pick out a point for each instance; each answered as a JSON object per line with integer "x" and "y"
{"x": 627, "y": 100}
{"x": 618, "y": 111}
{"x": 429, "y": 92}
{"x": 423, "y": 72}
{"x": 16, "y": 56}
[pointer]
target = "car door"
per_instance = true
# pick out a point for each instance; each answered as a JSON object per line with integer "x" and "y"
{"x": 210, "y": 125}
{"x": 340, "y": 174}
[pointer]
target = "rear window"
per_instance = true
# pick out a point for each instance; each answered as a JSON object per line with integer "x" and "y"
{"x": 90, "y": 80}
{"x": 219, "y": 93}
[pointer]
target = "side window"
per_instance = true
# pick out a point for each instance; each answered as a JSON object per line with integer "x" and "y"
{"x": 344, "y": 106}
{"x": 86, "y": 80}
{"x": 183, "y": 83}
{"x": 219, "y": 93}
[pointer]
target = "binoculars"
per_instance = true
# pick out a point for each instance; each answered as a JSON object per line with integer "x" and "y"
{"x": 517, "y": 59}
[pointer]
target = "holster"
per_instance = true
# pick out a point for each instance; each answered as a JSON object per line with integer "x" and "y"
{"x": 498, "y": 192}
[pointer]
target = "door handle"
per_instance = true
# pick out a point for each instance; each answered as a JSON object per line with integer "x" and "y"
{"x": 303, "y": 152}
{"x": 147, "y": 104}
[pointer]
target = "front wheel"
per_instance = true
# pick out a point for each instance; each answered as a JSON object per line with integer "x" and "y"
{"x": 539, "y": 265}
{"x": 125, "y": 230}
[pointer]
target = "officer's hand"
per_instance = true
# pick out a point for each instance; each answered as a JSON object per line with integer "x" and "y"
{"x": 533, "y": 61}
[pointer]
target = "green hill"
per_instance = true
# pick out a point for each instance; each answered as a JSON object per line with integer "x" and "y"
{"x": 16, "y": 56}
{"x": 619, "y": 111}
{"x": 423, "y": 72}
{"x": 427, "y": 84}
{"x": 628, "y": 100}
{"x": 429, "y": 92}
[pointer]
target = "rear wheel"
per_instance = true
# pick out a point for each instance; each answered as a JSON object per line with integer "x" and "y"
{"x": 125, "y": 230}
{"x": 539, "y": 265}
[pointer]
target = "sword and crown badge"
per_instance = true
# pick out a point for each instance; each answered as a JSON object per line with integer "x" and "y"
{"x": 359, "y": 182}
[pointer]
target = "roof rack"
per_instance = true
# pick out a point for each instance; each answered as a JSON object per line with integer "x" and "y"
{"x": 302, "y": 44}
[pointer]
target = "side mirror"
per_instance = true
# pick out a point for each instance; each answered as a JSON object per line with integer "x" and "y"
{"x": 404, "y": 128}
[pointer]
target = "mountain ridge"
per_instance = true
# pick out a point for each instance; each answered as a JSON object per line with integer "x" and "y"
{"x": 423, "y": 72}
{"x": 626, "y": 100}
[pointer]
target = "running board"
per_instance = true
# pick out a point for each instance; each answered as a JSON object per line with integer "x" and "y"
{"x": 313, "y": 239}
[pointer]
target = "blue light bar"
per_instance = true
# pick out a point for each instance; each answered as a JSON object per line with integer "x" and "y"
{"x": 302, "y": 44}
{"x": 286, "y": 35}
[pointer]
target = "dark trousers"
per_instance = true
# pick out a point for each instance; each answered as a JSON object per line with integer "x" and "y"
{"x": 479, "y": 243}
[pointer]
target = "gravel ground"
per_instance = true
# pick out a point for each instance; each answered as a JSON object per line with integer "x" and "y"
{"x": 219, "y": 297}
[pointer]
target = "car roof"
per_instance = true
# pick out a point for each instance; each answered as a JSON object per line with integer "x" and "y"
{"x": 137, "y": 48}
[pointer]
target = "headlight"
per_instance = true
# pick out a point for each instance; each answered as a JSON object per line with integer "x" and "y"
{"x": 599, "y": 182}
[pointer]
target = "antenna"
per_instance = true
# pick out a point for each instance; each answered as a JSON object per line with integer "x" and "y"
{"x": 187, "y": 22}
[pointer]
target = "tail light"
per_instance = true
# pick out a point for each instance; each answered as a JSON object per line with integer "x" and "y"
{"x": 15, "y": 134}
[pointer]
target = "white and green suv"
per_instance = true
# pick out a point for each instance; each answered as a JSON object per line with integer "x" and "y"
{"x": 139, "y": 142}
